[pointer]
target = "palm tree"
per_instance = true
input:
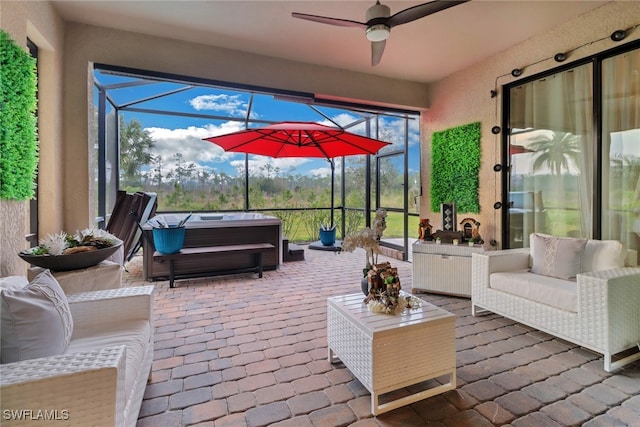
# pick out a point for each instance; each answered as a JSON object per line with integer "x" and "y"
{"x": 135, "y": 150}
{"x": 556, "y": 151}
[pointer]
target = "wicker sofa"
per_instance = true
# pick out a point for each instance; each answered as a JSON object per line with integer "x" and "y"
{"x": 598, "y": 310}
{"x": 100, "y": 378}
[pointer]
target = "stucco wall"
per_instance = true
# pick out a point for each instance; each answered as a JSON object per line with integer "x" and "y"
{"x": 464, "y": 97}
{"x": 38, "y": 22}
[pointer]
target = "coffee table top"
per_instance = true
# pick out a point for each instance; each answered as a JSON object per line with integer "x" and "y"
{"x": 353, "y": 307}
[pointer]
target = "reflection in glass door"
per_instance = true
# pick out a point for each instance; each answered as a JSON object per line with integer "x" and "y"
{"x": 551, "y": 149}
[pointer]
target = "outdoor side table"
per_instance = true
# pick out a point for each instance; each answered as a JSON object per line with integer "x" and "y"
{"x": 389, "y": 352}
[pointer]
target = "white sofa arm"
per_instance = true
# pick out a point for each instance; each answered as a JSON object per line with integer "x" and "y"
{"x": 97, "y": 307}
{"x": 613, "y": 296}
{"x": 85, "y": 388}
{"x": 608, "y": 302}
{"x": 483, "y": 264}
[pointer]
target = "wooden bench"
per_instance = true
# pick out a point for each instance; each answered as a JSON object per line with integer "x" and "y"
{"x": 251, "y": 248}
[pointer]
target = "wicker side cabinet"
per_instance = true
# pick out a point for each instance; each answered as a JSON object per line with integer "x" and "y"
{"x": 444, "y": 268}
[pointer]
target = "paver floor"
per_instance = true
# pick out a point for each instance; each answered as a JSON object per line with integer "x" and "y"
{"x": 243, "y": 351}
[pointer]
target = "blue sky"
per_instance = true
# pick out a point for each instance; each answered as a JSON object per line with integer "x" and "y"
{"x": 174, "y": 134}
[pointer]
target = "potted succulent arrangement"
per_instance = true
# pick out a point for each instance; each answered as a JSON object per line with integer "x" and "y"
{"x": 62, "y": 251}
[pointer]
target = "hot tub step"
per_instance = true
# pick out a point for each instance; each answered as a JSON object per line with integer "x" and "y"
{"x": 291, "y": 252}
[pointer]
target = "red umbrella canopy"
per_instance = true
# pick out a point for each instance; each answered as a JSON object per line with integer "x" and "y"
{"x": 298, "y": 139}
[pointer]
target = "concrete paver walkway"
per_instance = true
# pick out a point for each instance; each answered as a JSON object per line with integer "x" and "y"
{"x": 242, "y": 351}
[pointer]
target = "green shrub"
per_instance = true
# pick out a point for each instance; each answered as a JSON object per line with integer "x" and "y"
{"x": 18, "y": 139}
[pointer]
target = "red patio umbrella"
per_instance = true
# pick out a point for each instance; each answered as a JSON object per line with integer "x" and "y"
{"x": 299, "y": 139}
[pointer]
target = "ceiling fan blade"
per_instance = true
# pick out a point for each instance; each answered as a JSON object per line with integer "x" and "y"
{"x": 377, "y": 48}
{"x": 421, "y": 10}
{"x": 330, "y": 21}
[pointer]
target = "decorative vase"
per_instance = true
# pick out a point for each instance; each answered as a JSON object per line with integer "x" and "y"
{"x": 364, "y": 285}
{"x": 328, "y": 237}
{"x": 72, "y": 261}
{"x": 169, "y": 240}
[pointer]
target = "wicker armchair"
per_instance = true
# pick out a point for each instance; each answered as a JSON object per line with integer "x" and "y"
{"x": 101, "y": 378}
{"x": 607, "y": 317}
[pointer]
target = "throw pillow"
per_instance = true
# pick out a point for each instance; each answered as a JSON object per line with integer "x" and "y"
{"x": 35, "y": 320}
{"x": 603, "y": 255}
{"x": 559, "y": 257}
{"x": 13, "y": 282}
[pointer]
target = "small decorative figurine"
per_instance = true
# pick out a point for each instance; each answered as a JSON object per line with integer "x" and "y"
{"x": 470, "y": 230}
{"x": 424, "y": 230}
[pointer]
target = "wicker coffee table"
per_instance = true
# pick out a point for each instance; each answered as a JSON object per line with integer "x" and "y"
{"x": 390, "y": 352}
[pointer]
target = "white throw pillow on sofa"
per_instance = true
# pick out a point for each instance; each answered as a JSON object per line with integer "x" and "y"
{"x": 35, "y": 320}
{"x": 559, "y": 257}
{"x": 602, "y": 255}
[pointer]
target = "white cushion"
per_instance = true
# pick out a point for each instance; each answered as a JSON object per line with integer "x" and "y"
{"x": 602, "y": 255}
{"x": 551, "y": 291}
{"x": 135, "y": 335}
{"x": 559, "y": 257}
{"x": 36, "y": 320}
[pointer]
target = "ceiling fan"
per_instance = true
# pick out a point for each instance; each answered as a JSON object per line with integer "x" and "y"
{"x": 379, "y": 23}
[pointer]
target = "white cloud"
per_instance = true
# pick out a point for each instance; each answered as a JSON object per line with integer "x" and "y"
{"x": 230, "y": 104}
{"x": 189, "y": 142}
{"x": 321, "y": 172}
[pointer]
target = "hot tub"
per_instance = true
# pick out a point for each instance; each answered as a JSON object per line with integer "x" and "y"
{"x": 212, "y": 229}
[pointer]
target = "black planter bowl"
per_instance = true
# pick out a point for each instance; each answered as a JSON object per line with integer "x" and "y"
{"x": 72, "y": 261}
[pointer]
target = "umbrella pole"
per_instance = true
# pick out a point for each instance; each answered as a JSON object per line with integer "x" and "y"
{"x": 333, "y": 172}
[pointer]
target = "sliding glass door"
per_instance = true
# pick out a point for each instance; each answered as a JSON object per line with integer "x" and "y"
{"x": 573, "y": 151}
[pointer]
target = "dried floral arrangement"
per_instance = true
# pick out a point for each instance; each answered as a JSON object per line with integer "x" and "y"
{"x": 89, "y": 239}
{"x": 368, "y": 239}
{"x": 384, "y": 284}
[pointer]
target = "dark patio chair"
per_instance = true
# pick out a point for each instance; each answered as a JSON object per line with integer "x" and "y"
{"x": 129, "y": 212}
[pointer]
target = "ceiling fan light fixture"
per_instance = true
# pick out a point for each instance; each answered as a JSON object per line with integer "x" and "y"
{"x": 378, "y": 32}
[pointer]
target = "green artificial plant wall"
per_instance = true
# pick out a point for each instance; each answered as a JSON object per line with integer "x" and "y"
{"x": 455, "y": 163}
{"x": 18, "y": 138}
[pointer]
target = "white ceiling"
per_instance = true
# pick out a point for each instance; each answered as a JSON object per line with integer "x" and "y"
{"x": 424, "y": 50}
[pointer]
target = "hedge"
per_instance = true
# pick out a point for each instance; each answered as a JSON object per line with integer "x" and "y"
{"x": 455, "y": 163}
{"x": 18, "y": 129}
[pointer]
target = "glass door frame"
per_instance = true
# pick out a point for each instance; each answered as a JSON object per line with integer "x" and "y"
{"x": 405, "y": 186}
